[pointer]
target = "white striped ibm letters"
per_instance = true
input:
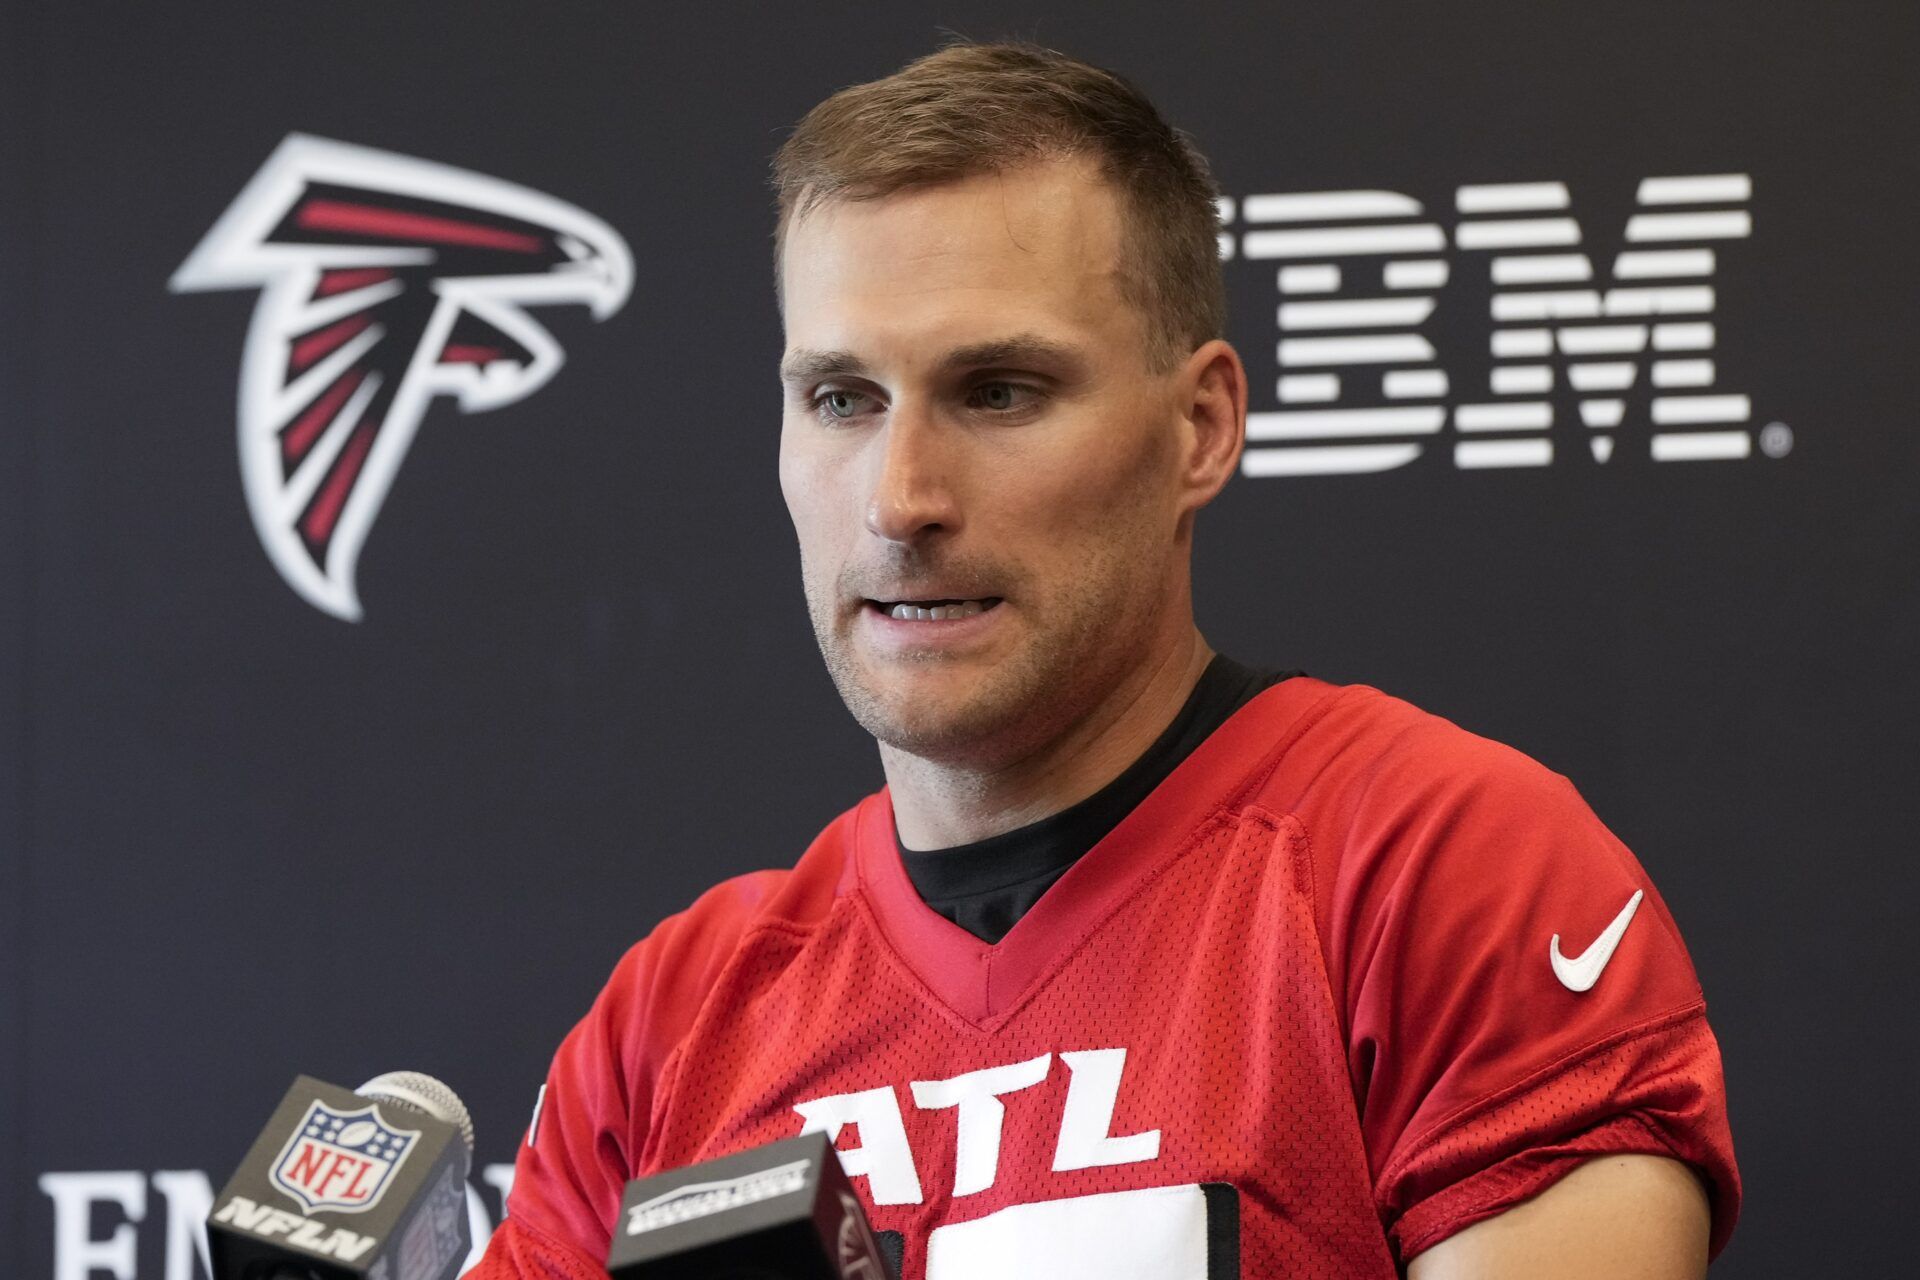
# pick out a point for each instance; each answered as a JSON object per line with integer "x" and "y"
{"x": 1360, "y": 273}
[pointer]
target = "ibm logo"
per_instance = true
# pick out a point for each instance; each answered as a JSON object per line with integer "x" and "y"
{"x": 1360, "y": 274}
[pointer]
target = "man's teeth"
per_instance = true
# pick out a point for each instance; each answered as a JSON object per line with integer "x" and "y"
{"x": 937, "y": 613}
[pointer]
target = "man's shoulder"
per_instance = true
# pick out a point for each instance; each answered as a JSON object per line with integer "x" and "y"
{"x": 1356, "y": 736}
{"x": 1369, "y": 775}
{"x": 1387, "y": 793}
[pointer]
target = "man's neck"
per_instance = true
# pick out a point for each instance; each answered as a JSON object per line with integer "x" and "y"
{"x": 936, "y": 806}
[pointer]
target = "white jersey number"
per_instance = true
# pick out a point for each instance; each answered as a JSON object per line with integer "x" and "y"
{"x": 1158, "y": 1233}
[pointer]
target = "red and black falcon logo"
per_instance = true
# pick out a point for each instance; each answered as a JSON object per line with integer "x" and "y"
{"x": 384, "y": 282}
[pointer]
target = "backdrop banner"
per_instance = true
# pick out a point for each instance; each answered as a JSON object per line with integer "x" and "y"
{"x": 401, "y": 616}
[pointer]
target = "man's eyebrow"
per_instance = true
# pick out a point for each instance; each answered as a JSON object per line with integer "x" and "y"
{"x": 1020, "y": 349}
{"x": 805, "y": 365}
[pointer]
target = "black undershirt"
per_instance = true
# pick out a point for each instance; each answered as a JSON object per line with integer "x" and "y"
{"x": 985, "y": 887}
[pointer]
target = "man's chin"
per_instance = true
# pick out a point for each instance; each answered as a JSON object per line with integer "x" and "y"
{"x": 936, "y": 715}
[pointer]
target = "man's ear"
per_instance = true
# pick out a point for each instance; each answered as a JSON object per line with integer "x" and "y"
{"x": 1212, "y": 386}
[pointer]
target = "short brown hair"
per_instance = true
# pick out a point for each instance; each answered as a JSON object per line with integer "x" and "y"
{"x": 973, "y": 108}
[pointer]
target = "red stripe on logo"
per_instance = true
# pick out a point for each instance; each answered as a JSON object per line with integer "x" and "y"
{"x": 304, "y": 430}
{"x": 310, "y": 348}
{"x": 459, "y": 353}
{"x": 318, "y": 523}
{"x": 394, "y": 224}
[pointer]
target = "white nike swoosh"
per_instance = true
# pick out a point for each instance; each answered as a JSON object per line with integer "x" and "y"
{"x": 1581, "y": 972}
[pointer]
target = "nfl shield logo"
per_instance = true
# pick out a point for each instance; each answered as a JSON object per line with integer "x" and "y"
{"x": 341, "y": 1160}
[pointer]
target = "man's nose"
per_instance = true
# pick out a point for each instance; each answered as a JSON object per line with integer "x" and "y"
{"x": 913, "y": 493}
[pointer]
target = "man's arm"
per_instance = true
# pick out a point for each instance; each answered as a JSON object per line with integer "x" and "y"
{"x": 1485, "y": 1072}
{"x": 1627, "y": 1217}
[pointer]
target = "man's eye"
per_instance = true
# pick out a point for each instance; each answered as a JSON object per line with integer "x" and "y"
{"x": 838, "y": 404}
{"x": 1002, "y": 397}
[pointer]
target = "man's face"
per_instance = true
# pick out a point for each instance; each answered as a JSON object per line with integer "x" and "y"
{"x": 983, "y": 473}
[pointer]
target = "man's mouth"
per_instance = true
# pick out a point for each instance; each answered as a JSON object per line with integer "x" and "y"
{"x": 932, "y": 610}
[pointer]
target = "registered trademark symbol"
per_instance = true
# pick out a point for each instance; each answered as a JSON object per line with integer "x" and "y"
{"x": 1776, "y": 439}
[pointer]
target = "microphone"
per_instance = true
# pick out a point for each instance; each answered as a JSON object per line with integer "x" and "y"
{"x": 784, "y": 1211}
{"x": 350, "y": 1184}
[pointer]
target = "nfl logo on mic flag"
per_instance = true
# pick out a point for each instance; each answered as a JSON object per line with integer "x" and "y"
{"x": 341, "y": 1160}
{"x": 349, "y": 1186}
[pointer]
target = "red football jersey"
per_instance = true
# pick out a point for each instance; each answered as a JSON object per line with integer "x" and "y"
{"x": 1349, "y": 980}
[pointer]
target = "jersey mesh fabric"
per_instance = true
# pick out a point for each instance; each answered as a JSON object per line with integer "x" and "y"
{"x": 1469, "y": 1173}
{"x": 520, "y": 1252}
{"x": 1315, "y": 959}
{"x": 1241, "y": 1073}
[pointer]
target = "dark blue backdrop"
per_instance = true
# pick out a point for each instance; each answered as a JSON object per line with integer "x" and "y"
{"x": 244, "y": 838}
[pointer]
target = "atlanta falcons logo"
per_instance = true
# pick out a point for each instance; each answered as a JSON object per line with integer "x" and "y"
{"x": 384, "y": 282}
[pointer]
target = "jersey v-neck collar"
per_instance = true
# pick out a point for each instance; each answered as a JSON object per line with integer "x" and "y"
{"x": 986, "y": 885}
{"x": 981, "y": 983}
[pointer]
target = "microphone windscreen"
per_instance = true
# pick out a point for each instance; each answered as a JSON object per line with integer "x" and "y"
{"x": 420, "y": 1092}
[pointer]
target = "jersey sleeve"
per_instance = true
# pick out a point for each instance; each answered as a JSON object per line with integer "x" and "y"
{"x": 573, "y": 1163}
{"x": 520, "y": 1252}
{"x": 1474, "y": 895}
{"x": 589, "y": 1132}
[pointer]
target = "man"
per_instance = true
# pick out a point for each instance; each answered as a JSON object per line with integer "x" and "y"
{"x": 1144, "y": 964}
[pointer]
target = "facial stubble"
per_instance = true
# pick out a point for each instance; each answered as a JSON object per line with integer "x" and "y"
{"x": 1078, "y": 638}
